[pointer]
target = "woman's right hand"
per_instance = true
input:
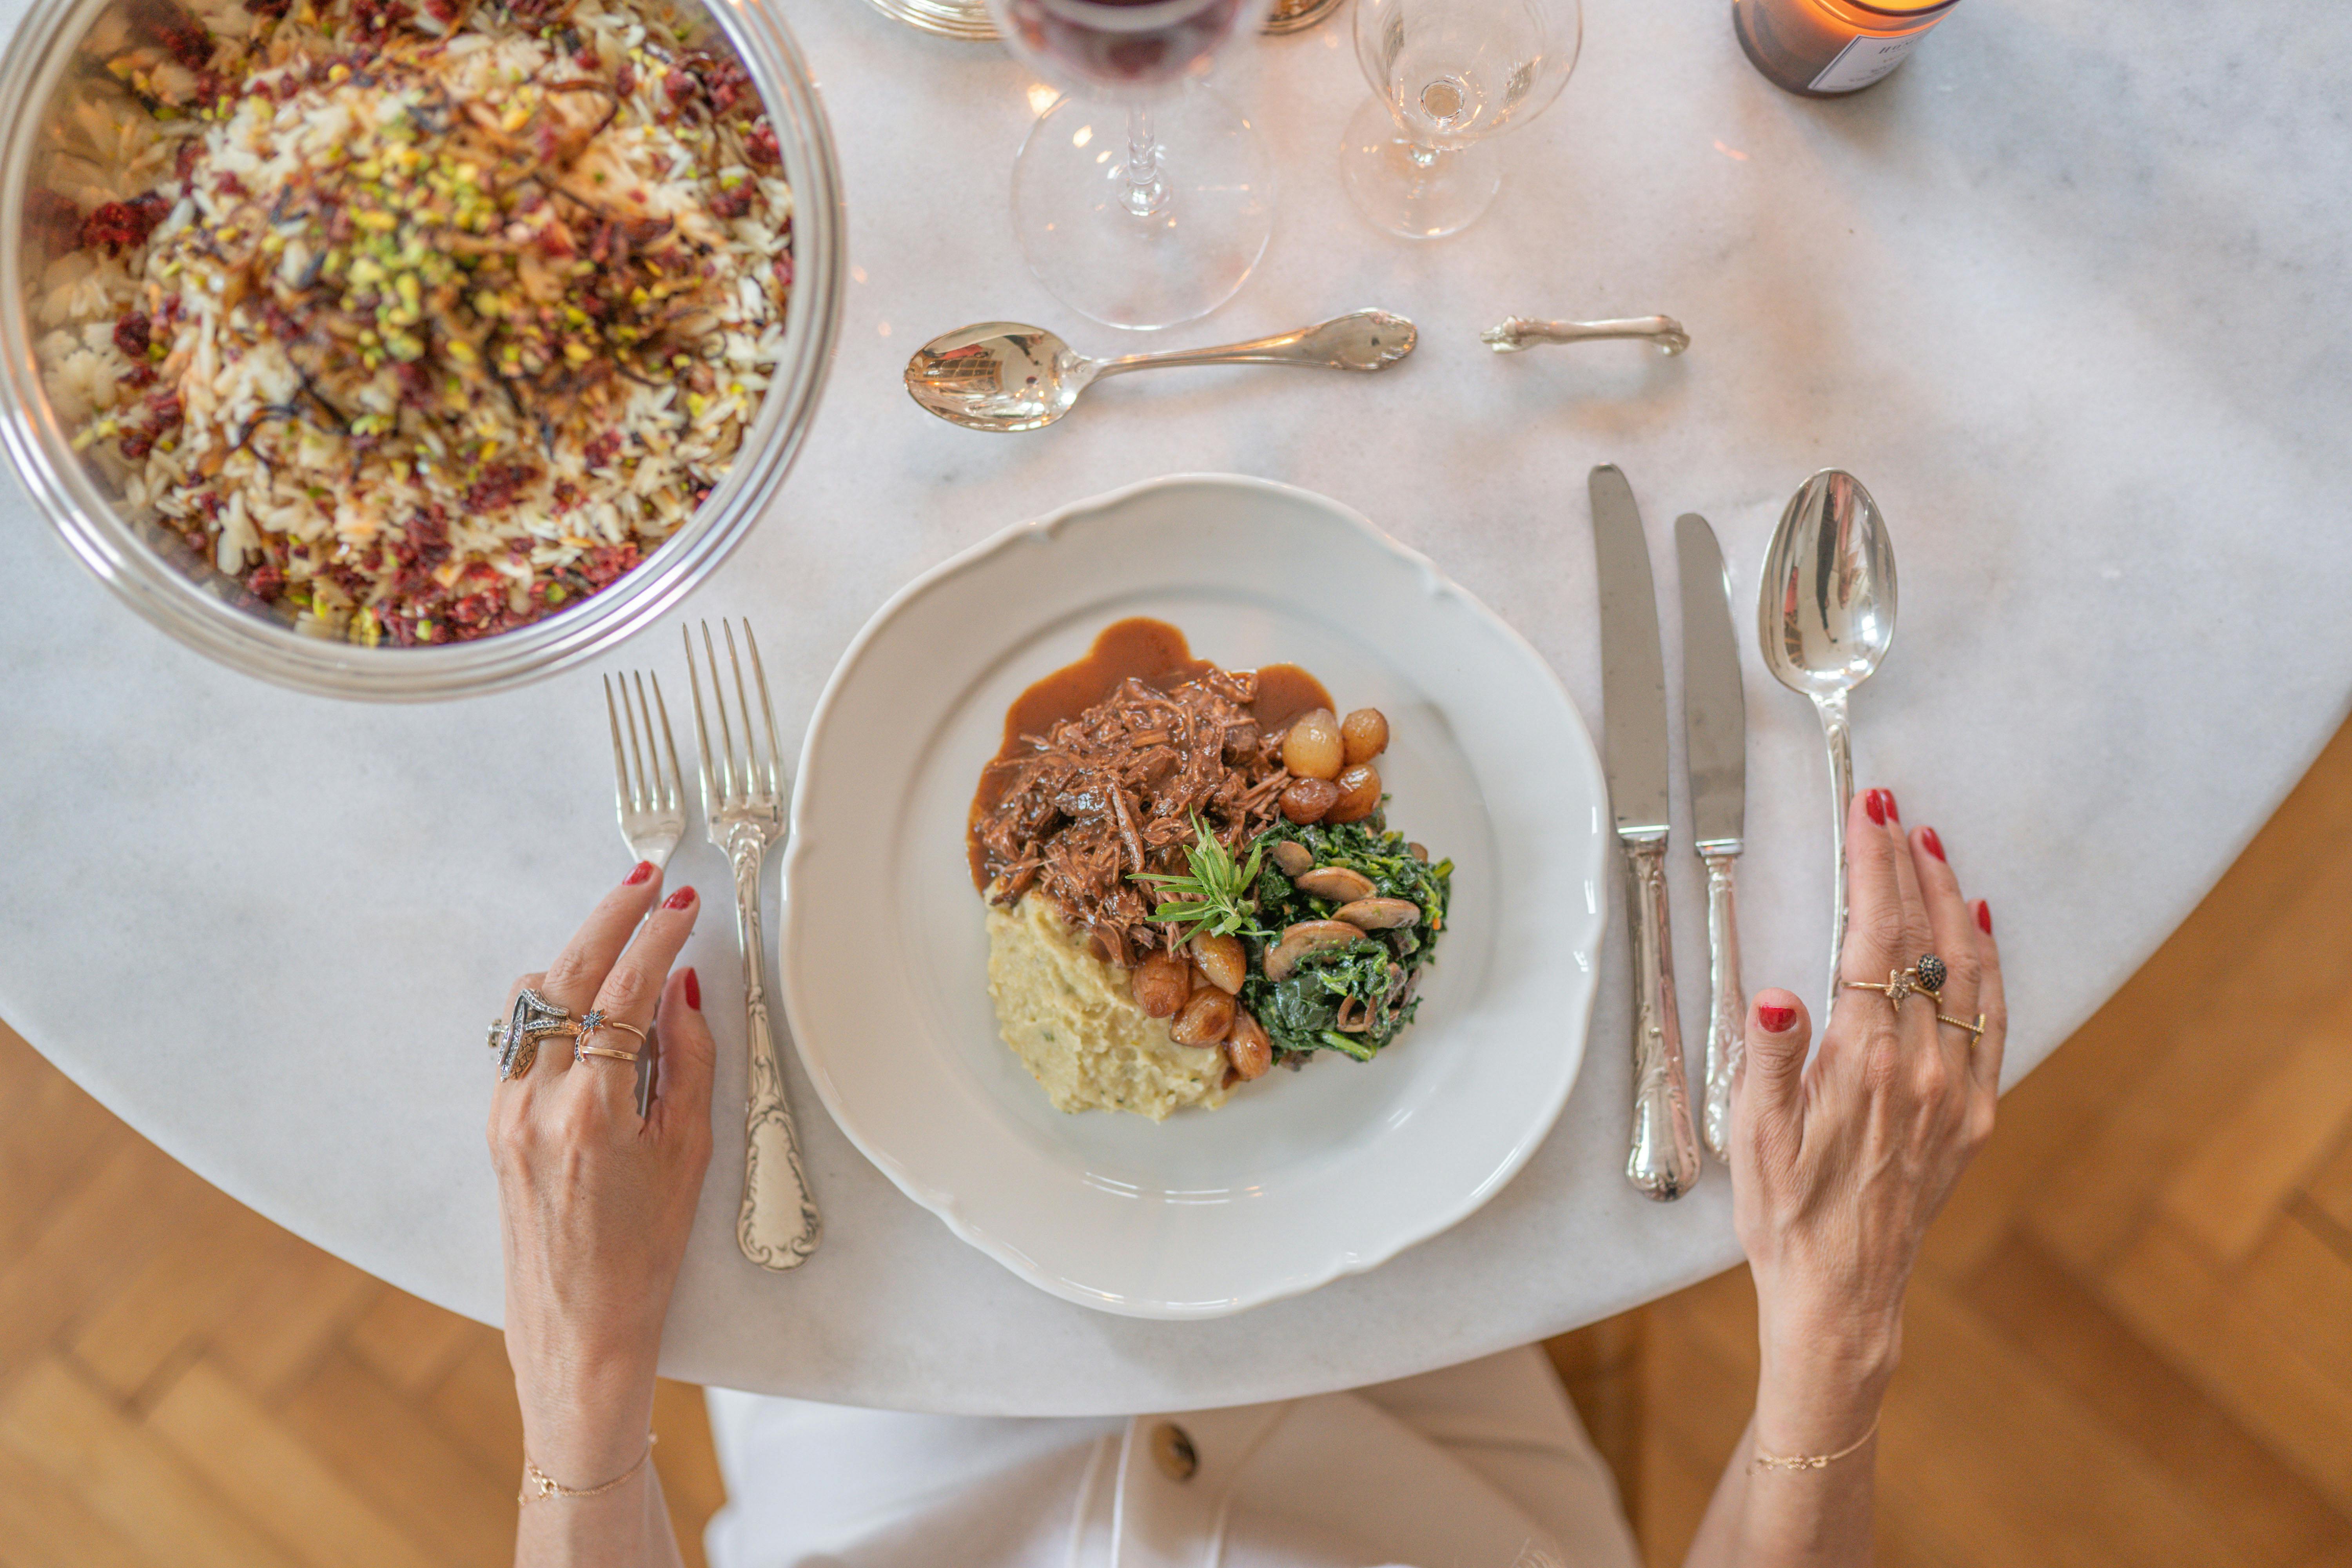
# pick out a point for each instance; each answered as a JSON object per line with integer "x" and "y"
{"x": 1837, "y": 1167}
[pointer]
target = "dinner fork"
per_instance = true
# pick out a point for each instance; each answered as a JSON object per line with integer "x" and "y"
{"x": 649, "y": 793}
{"x": 646, "y": 783}
{"x": 743, "y": 803}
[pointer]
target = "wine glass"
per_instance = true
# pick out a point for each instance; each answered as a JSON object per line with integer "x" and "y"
{"x": 1143, "y": 199}
{"x": 1448, "y": 74}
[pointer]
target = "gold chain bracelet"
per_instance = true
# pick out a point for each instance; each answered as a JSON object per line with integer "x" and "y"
{"x": 1763, "y": 1462}
{"x": 538, "y": 1483}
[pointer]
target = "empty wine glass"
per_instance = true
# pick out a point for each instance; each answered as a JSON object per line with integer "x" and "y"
{"x": 1448, "y": 74}
{"x": 1143, "y": 199}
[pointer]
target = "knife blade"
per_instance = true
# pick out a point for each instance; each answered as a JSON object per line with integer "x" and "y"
{"x": 1714, "y": 746}
{"x": 1632, "y": 670}
{"x": 1663, "y": 1159}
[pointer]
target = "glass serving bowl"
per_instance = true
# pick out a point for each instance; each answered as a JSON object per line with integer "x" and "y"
{"x": 215, "y": 614}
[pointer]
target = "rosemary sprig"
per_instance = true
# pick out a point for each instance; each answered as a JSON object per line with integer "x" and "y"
{"x": 1215, "y": 898}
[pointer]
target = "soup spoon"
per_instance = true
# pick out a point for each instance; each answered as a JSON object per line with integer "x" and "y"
{"x": 1826, "y": 615}
{"x": 1002, "y": 376}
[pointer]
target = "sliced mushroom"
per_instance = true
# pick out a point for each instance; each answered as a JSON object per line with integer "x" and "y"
{"x": 1418, "y": 852}
{"x": 1290, "y": 857}
{"x": 1306, "y": 937}
{"x": 1354, "y": 1017}
{"x": 1340, "y": 884}
{"x": 1378, "y": 914}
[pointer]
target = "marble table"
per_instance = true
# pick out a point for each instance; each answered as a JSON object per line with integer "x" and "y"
{"x": 2067, "y": 291}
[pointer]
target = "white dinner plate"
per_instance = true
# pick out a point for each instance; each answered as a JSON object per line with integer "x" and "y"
{"x": 1301, "y": 1177}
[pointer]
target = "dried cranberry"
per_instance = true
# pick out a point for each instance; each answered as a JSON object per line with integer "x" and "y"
{"x": 760, "y": 143}
{"x": 602, "y": 449}
{"x": 499, "y": 486}
{"x": 133, "y": 333}
{"x": 137, "y": 442}
{"x": 165, "y": 406}
{"x": 442, "y": 11}
{"x": 784, "y": 270}
{"x": 606, "y": 562}
{"x": 732, "y": 203}
{"x": 271, "y": 8}
{"x": 266, "y": 582}
{"x": 625, "y": 82}
{"x": 184, "y": 161}
{"x": 115, "y": 225}
{"x": 139, "y": 374}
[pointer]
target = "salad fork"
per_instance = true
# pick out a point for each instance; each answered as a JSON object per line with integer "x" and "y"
{"x": 743, "y": 803}
{"x": 649, "y": 788}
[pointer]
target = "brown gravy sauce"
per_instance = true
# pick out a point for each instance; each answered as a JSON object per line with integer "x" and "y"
{"x": 1154, "y": 653}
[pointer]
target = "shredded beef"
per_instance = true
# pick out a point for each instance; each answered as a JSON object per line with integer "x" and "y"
{"x": 1113, "y": 791}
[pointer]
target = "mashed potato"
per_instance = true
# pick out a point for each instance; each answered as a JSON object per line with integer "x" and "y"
{"x": 1070, "y": 1019}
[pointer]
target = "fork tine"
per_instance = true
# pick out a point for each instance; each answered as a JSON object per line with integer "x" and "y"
{"x": 674, "y": 788}
{"x": 767, "y": 710}
{"x": 701, "y": 730}
{"x": 743, "y": 705}
{"x": 639, "y": 797}
{"x": 620, "y": 768}
{"x": 728, "y": 791}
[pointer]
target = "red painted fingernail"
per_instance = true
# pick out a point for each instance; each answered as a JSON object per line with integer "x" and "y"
{"x": 1776, "y": 1020}
{"x": 1984, "y": 917}
{"x": 1875, "y": 803}
{"x": 1933, "y": 845}
{"x": 678, "y": 899}
{"x": 637, "y": 873}
{"x": 693, "y": 992}
{"x": 1891, "y": 810}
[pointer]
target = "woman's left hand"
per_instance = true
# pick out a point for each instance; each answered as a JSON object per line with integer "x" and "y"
{"x": 594, "y": 1204}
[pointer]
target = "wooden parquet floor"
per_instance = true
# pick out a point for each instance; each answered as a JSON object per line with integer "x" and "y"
{"x": 2130, "y": 1342}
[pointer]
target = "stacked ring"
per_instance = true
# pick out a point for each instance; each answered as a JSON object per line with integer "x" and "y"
{"x": 581, "y": 1050}
{"x": 1924, "y": 978}
{"x": 516, "y": 1039}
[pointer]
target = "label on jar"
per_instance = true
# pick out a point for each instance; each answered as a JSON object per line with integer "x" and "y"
{"x": 1863, "y": 60}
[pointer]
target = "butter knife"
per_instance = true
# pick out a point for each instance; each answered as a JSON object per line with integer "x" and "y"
{"x": 1663, "y": 1161}
{"x": 1715, "y": 747}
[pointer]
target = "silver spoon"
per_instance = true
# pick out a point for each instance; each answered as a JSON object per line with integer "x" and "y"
{"x": 1002, "y": 376}
{"x": 1825, "y": 616}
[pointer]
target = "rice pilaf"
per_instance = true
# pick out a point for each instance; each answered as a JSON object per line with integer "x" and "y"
{"x": 424, "y": 323}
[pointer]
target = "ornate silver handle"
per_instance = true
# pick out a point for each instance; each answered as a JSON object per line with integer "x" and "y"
{"x": 1839, "y": 735}
{"x": 1663, "y": 1160}
{"x": 1517, "y": 332}
{"x": 1361, "y": 339}
{"x": 778, "y": 1227}
{"x": 1727, "y": 1015}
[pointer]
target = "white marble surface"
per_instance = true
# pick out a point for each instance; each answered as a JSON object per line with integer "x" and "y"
{"x": 2068, "y": 291}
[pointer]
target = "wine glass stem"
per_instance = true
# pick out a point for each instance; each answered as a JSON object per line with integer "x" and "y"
{"x": 1422, "y": 157}
{"x": 1147, "y": 193}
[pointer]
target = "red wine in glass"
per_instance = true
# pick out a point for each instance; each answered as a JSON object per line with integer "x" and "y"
{"x": 1122, "y": 46}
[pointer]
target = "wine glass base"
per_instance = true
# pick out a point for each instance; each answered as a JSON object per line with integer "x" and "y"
{"x": 1177, "y": 262}
{"x": 1420, "y": 194}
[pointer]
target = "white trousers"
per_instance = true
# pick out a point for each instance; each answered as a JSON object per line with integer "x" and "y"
{"x": 1479, "y": 1466}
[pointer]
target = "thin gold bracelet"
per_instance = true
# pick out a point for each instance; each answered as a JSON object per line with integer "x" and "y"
{"x": 538, "y": 1483}
{"x": 1763, "y": 1462}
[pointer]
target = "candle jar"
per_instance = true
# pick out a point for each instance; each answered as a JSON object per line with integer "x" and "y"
{"x": 1823, "y": 48}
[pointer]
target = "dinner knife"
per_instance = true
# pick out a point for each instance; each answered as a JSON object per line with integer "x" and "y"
{"x": 1715, "y": 747}
{"x": 1662, "y": 1161}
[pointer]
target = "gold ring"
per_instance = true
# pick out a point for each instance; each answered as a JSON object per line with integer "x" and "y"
{"x": 581, "y": 1050}
{"x": 1975, "y": 1030}
{"x": 1900, "y": 983}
